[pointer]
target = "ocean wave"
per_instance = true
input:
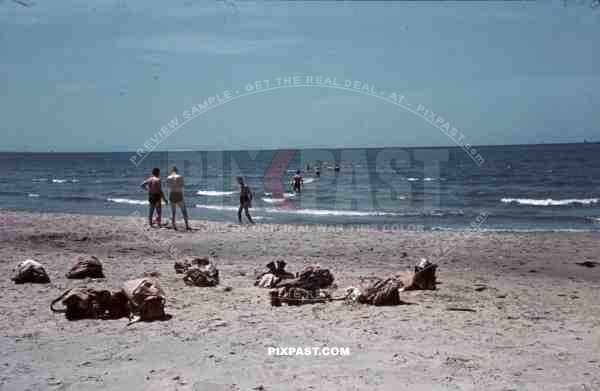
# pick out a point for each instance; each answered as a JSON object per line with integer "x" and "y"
{"x": 549, "y": 201}
{"x": 281, "y": 195}
{"x": 331, "y": 212}
{"x": 269, "y": 200}
{"x": 127, "y": 201}
{"x": 313, "y": 212}
{"x": 39, "y": 180}
{"x": 217, "y": 207}
{"x": 277, "y": 198}
{"x": 426, "y": 179}
{"x": 533, "y": 230}
{"x": 33, "y": 195}
{"x": 214, "y": 193}
{"x": 510, "y": 230}
{"x": 64, "y": 180}
{"x": 305, "y": 180}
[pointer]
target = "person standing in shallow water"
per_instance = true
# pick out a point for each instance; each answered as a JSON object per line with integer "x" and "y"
{"x": 175, "y": 185}
{"x": 155, "y": 196}
{"x": 245, "y": 200}
{"x": 298, "y": 182}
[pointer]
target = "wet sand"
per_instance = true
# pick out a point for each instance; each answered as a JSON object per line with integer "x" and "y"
{"x": 535, "y": 322}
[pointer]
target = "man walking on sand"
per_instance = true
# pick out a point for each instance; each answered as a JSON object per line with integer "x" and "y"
{"x": 175, "y": 185}
{"x": 245, "y": 200}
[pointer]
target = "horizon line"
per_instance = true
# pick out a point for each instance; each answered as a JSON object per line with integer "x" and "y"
{"x": 585, "y": 142}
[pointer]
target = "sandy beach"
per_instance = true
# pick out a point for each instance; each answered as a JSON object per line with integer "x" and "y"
{"x": 535, "y": 323}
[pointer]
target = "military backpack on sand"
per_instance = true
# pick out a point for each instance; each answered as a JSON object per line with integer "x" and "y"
{"x": 30, "y": 271}
{"x": 89, "y": 303}
{"x": 146, "y": 298}
{"x": 86, "y": 267}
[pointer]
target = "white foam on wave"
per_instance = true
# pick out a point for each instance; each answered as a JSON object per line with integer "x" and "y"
{"x": 312, "y": 212}
{"x": 532, "y": 230}
{"x": 278, "y": 199}
{"x": 412, "y": 179}
{"x": 511, "y": 230}
{"x": 39, "y": 180}
{"x": 214, "y": 193}
{"x": 280, "y": 195}
{"x": 549, "y": 201}
{"x": 33, "y": 195}
{"x": 275, "y": 200}
{"x": 217, "y": 207}
{"x": 329, "y": 212}
{"x": 127, "y": 201}
{"x": 59, "y": 180}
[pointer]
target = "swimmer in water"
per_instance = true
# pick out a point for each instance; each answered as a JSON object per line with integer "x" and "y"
{"x": 298, "y": 182}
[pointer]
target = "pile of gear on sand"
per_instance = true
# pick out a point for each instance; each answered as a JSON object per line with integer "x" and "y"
{"x": 144, "y": 299}
{"x": 138, "y": 299}
{"x": 312, "y": 283}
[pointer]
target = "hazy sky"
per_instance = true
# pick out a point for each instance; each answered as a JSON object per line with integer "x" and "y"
{"x": 107, "y": 75}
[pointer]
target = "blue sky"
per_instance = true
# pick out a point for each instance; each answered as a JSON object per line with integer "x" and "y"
{"x": 107, "y": 75}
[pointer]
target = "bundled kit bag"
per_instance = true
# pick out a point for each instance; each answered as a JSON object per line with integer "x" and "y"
{"x": 380, "y": 293}
{"x": 307, "y": 288}
{"x": 207, "y": 275}
{"x": 311, "y": 278}
{"x": 199, "y": 271}
{"x": 30, "y": 271}
{"x": 146, "y": 298}
{"x": 422, "y": 277}
{"x": 86, "y": 267}
{"x": 89, "y": 303}
{"x": 275, "y": 273}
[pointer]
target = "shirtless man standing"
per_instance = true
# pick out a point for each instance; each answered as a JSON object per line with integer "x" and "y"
{"x": 155, "y": 196}
{"x": 175, "y": 185}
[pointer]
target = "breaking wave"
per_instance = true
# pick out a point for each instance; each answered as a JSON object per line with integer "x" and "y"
{"x": 214, "y": 193}
{"x": 127, "y": 201}
{"x": 549, "y": 201}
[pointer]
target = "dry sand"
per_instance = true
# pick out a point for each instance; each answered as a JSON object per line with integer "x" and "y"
{"x": 536, "y": 323}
